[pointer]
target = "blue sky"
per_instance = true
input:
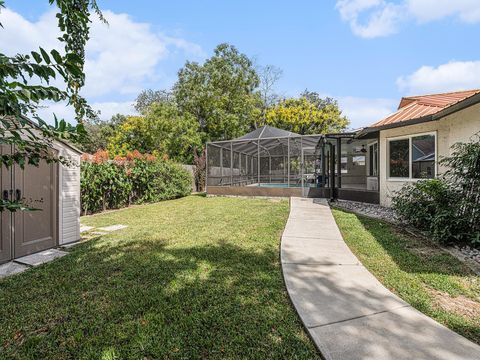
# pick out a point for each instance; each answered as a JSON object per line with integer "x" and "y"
{"x": 365, "y": 53}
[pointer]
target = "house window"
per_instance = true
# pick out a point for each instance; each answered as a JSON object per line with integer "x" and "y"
{"x": 399, "y": 158}
{"x": 423, "y": 157}
{"x": 412, "y": 157}
{"x": 373, "y": 159}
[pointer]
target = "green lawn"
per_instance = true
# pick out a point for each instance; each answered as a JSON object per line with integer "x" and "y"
{"x": 189, "y": 278}
{"x": 422, "y": 274}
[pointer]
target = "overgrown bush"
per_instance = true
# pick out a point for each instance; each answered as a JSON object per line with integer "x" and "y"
{"x": 134, "y": 179}
{"x": 448, "y": 208}
{"x": 463, "y": 175}
{"x": 430, "y": 205}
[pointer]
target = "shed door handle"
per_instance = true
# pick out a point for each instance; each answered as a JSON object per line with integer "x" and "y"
{"x": 18, "y": 194}
{"x": 5, "y": 195}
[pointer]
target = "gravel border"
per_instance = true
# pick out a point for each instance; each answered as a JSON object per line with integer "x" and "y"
{"x": 372, "y": 210}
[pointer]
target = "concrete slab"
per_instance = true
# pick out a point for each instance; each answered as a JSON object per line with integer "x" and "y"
{"x": 113, "y": 227}
{"x": 324, "y": 294}
{"x": 324, "y": 229}
{"x": 314, "y": 251}
{"x": 41, "y": 257}
{"x": 348, "y": 313}
{"x": 307, "y": 214}
{"x": 401, "y": 334}
{"x": 84, "y": 228}
{"x": 11, "y": 268}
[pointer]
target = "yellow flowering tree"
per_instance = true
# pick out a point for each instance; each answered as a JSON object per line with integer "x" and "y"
{"x": 308, "y": 114}
{"x": 162, "y": 130}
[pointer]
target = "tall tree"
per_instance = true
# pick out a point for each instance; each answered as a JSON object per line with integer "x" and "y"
{"x": 163, "y": 130}
{"x": 21, "y": 94}
{"x": 219, "y": 93}
{"x": 99, "y": 133}
{"x": 148, "y": 97}
{"x": 269, "y": 76}
{"x": 308, "y": 114}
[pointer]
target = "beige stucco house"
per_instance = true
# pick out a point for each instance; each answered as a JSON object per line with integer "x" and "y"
{"x": 368, "y": 165}
{"x": 421, "y": 132}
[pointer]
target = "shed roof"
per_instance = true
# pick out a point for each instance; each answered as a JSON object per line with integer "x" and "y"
{"x": 62, "y": 142}
{"x": 415, "y": 107}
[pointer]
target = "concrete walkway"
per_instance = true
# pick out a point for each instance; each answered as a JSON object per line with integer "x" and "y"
{"x": 347, "y": 312}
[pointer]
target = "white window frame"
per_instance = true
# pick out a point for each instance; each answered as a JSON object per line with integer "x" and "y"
{"x": 410, "y": 163}
{"x": 369, "y": 146}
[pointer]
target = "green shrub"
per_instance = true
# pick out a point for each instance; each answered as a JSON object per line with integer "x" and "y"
{"x": 464, "y": 176}
{"x": 448, "y": 208}
{"x": 103, "y": 186}
{"x": 430, "y": 205}
{"x": 159, "y": 180}
{"x": 112, "y": 184}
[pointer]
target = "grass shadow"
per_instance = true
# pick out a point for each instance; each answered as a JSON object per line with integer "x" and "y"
{"x": 149, "y": 299}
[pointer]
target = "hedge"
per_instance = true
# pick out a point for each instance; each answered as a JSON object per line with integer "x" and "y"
{"x": 448, "y": 208}
{"x": 134, "y": 179}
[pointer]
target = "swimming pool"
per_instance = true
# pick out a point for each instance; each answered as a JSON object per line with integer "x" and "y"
{"x": 279, "y": 185}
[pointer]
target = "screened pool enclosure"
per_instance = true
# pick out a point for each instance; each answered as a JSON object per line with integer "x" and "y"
{"x": 274, "y": 162}
{"x": 265, "y": 157}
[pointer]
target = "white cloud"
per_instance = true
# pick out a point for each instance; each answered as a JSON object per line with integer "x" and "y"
{"x": 20, "y": 35}
{"x": 377, "y": 18}
{"x": 429, "y": 10}
{"x": 350, "y": 9}
{"x": 453, "y": 76}
{"x": 382, "y": 18}
{"x": 121, "y": 58}
{"x": 365, "y": 111}
{"x": 108, "y": 109}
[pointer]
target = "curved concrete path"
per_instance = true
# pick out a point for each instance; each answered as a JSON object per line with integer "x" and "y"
{"x": 346, "y": 310}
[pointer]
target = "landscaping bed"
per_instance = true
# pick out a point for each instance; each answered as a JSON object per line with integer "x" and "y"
{"x": 189, "y": 278}
{"x": 421, "y": 273}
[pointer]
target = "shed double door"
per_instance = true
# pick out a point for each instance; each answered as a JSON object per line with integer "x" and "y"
{"x": 27, "y": 232}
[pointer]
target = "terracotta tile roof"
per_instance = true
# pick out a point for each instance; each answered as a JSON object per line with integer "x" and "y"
{"x": 414, "y": 107}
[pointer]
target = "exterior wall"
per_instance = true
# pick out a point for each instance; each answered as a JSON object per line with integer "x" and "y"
{"x": 69, "y": 197}
{"x": 457, "y": 127}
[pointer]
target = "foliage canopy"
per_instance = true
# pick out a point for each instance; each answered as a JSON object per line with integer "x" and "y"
{"x": 163, "y": 129}
{"x": 308, "y": 114}
{"x": 219, "y": 93}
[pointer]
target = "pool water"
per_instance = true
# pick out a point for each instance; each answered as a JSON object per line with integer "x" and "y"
{"x": 280, "y": 185}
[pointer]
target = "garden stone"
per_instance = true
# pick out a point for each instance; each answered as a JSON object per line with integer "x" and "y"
{"x": 11, "y": 268}
{"x": 84, "y": 228}
{"x": 113, "y": 227}
{"x": 41, "y": 257}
